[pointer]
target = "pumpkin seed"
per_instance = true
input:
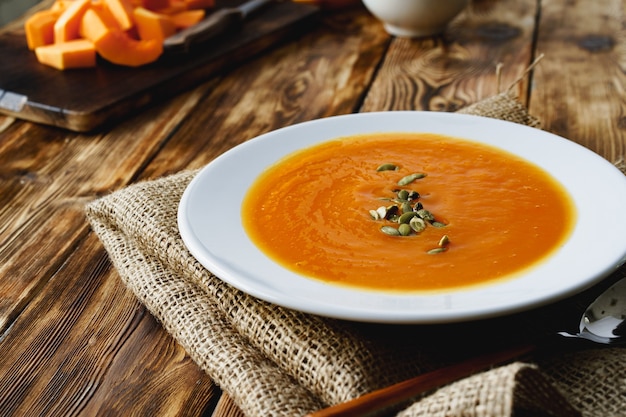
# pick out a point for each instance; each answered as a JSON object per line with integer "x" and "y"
{"x": 392, "y": 211}
{"x": 387, "y": 167}
{"x": 410, "y": 178}
{"x": 426, "y": 215}
{"x": 443, "y": 242}
{"x": 406, "y": 207}
{"x": 417, "y": 224}
{"x": 436, "y": 251}
{"x": 374, "y": 215}
{"x": 404, "y": 229}
{"x": 403, "y": 195}
{"x": 405, "y": 218}
{"x": 382, "y": 211}
{"x": 438, "y": 224}
{"x": 413, "y": 195}
{"x": 389, "y": 230}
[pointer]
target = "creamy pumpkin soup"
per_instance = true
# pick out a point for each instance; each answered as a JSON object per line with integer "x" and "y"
{"x": 406, "y": 212}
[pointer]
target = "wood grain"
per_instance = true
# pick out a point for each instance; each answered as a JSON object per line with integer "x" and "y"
{"x": 73, "y": 335}
{"x": 458, "y": 68}
{"x": 323, "y": 73}
{"x": 88, "y": 344}
{"x": 580, "y": 86}
{"x": 227, "y": 408}
{"x": 47, "y": 177}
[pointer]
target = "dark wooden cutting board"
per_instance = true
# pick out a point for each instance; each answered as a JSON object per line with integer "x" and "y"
{"x": 85, "y": 99}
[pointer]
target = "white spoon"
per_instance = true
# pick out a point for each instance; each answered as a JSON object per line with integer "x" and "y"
{"x": 604, "y": 321}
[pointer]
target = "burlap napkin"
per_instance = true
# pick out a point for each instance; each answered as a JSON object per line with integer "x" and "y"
{"x": 277, "y": 362}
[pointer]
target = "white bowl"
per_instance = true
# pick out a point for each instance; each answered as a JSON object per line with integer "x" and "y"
{"x": 215, "y": 236}
{"x": 415, "y": 18}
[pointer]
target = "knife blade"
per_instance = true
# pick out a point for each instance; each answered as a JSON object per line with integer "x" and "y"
{"x": 215, "y": 24}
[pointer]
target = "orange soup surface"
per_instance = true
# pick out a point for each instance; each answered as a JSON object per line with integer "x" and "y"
{"x": 311, "y": 212}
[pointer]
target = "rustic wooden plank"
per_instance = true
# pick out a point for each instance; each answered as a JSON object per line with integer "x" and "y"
{"x": 85, "y": 346}
{"x": 5, "y": 122}
{"x": 47, "y": 177}
{"x": 580, "y": 86}
{"x": 73, "y": 352}
{"x": 226, "y": 408}
{"x": 444, "y": 73}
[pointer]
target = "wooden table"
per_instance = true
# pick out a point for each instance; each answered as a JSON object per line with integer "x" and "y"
{"x": 75, "y": 341}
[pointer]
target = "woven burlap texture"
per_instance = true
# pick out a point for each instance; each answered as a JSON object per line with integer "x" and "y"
{"x": 274, "y": 361}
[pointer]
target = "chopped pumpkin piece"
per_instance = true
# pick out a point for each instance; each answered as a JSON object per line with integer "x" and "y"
{"x": 94, "y": 25}
{"x": 78, "y": 53}
{"x": 40, "y": 28}
{"x": 66, "y": 28}
{"x": 122, "y": 10}
{"x": 105, "y": 14}
{"x": 151, "y": 25}
{"x": 187, "y": 18}
{"x": 125, "y": 32}
{"x": 119, "y": 48}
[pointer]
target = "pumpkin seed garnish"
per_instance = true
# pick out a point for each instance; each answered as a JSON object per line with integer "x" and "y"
{"x": 436, "y": 251}
{"x": 403, "y": 195}
{"x": 390, "y": 230}
{"x": 406, "y": 207}
{"x": 410, "y": 178}
{"x": 417, "y": 224}
{"x": 387, "y": 167}
{"x": 404, "y": 229}
{"x": 426, "y": 215}
{"x": 406, "y": 212}
{"x": 392, "y": 212}
{"x": 413, "y": 195}
{"x": 405, "y": 218}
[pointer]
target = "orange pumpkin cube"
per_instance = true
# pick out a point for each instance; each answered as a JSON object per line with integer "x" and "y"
{"x": 122, "y": 11}
{"x": 39, "y": 28}
{"x": 67, "y": 26}
{"x": 151, "y": 25}
{"x": 95, "y": 24}
{"x": 77, "y": 53}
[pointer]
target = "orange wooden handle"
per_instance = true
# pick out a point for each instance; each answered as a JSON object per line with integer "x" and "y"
{"x": 383, "y": 399}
